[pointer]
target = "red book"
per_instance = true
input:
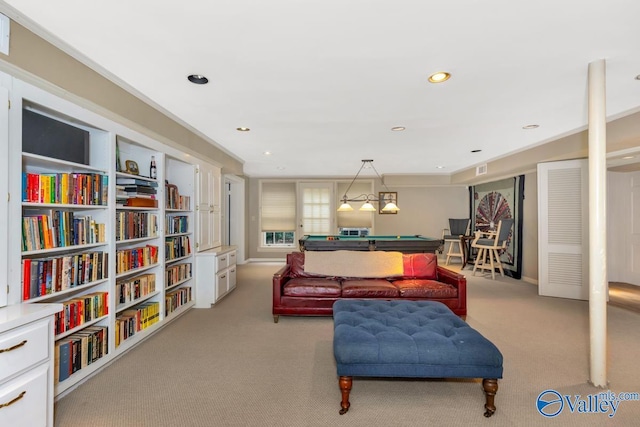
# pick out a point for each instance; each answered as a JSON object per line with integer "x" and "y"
{"x": 26, "y": 279}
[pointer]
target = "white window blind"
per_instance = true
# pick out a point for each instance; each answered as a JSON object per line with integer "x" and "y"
{"x": 355, "y": 218}
{"x": 316, "y": 210}
{"x": 278, "y": 206}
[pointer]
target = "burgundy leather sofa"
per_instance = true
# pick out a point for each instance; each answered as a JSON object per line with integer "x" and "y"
{"x": 300, "y": 293}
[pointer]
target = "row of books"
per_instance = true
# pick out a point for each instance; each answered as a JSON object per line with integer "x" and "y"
{"x": 135, "y": 288}
{"x": 175, "y": 224}
{"x": 174, "y": 200}
{"x": 177, "y": 273}
{"x": 57, "y": 229}
{"x": 136, "y": 319}
{"x": 65, "y": 188}
{"x": 129, "y": 259}
{"x": 177, "y": 247}
{"x": 135, "y": 225}
{"x": 175, "y": 299}
{"x": 80, "y": 310}
{"x": 79, "y": 350}
{"x": 44, "y": 276}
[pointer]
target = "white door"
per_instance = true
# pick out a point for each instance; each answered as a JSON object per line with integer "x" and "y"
{"x": 4, "y": 191}
{"x": 563, "y": 233}
{"x": 208, "y": 207}
{"x": 634, "y": 247}
{"x": 316, "y": 208}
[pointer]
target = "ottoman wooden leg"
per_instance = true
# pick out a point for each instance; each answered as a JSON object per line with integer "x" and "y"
{"x": 490, "y": 386}
{"x": 345, "y": 388}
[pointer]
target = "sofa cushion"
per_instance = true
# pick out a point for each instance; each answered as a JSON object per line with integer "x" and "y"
{"x": 368, "y": 288}
{"x": 420, "y": 265}
{"x": 312, "y": 287}
{"x": 421, "y": 288}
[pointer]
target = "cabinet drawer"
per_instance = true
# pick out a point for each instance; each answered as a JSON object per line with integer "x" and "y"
{"x": 23, "y": 347}
{"x": 222, "y": 262}
{"x": 232, "y": 258}
{"x": 26, "y": 397}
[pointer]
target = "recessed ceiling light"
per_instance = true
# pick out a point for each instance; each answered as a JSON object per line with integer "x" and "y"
{"x": 398, "y": 128}
{"x": 638, "y": 77}
{"x": 280, "y": 168}
{"x": 439, "y": 167}
{"x": 530, "y": 127}
{"x": 267, "y": 153}
{"x": 198, "y": 79}
{"x": 439, "y": 77}
{"x": 476, "y": 151}
{"x": 242, "y": 129}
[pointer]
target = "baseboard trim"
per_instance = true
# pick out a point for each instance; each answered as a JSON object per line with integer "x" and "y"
{"x": 530, "y": 280}
{"x": 271, "y": 260}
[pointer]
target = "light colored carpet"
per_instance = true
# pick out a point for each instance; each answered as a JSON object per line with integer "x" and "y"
{"x": 232, "y": 366}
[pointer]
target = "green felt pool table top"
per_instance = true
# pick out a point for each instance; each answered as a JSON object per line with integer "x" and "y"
{"x": 382, "y": 237}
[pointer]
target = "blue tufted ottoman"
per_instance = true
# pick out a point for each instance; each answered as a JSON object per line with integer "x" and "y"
{"x": 419, "y": 339}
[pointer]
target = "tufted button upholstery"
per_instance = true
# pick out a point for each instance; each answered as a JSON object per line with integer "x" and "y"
{"x": 409, "y": 339}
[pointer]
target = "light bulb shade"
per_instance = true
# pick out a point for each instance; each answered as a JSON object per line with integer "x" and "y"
{"x": 390, "y": 207}
{"x": 345, "y": 207}
{"x": 367, "y": 207}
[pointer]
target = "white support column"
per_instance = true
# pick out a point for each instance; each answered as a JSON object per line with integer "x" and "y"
{"x": 597, "y": 223}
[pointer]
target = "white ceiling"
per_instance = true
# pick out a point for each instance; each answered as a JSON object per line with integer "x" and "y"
{"x": 320, "y": 83}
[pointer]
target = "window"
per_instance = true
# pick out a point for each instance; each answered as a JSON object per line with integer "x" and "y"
{"x": 278, "y": 238}
{"x": 278, "y": 214}
{"x": 317, "y": 207}
{"x": 355, "y": 218}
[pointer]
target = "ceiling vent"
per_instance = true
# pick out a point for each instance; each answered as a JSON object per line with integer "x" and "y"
{"x": 481, "y": 170}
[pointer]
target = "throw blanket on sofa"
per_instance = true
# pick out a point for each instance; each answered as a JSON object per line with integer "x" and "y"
{"x": 370, "y": 264}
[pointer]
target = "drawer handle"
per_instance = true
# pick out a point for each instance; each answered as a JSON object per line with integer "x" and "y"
{"x": 14, "y": 347}
{"x": 4, "y": 405}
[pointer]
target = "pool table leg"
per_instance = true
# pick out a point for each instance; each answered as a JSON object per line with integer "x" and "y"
{"x": 345, "y": 388}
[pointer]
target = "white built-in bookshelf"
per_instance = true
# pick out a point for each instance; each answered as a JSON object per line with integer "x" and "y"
{"x": 114, "y": 245}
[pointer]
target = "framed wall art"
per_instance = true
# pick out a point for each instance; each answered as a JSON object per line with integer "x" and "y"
{"x": 493, "y": 201}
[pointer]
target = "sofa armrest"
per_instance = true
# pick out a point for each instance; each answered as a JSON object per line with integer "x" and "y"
{"x": 280, "y": 277}
{"x": 445, "y": 275}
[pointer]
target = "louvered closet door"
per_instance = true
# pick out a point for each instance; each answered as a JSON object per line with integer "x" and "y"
{"x": 563, "y": 229}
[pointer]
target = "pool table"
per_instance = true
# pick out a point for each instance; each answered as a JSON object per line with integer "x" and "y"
{"x": 405, "y": 244}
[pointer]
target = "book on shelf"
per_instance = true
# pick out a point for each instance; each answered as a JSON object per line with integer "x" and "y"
{"x": 135, "y": 181}
{"x": 140, "y": 189}
{"x": 141, "y": 202}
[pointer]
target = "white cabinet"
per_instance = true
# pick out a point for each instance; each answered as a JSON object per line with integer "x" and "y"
{"x": 26, "y": 364}
{"x": 215, "y": 275}
{"x": 208, "y": 207}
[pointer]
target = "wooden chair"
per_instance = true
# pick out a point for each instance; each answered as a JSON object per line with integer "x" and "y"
{"x": 457, "y": 228}
{"x": 489, "y": 244}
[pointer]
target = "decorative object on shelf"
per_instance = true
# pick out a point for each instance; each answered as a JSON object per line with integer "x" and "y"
{"x": 118, "y": 165}
{"x": 390, "y": 205}
{"x": 153, "y": 171}
{"x": 390, "y": 197}
{"x": 132, "y": 167}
